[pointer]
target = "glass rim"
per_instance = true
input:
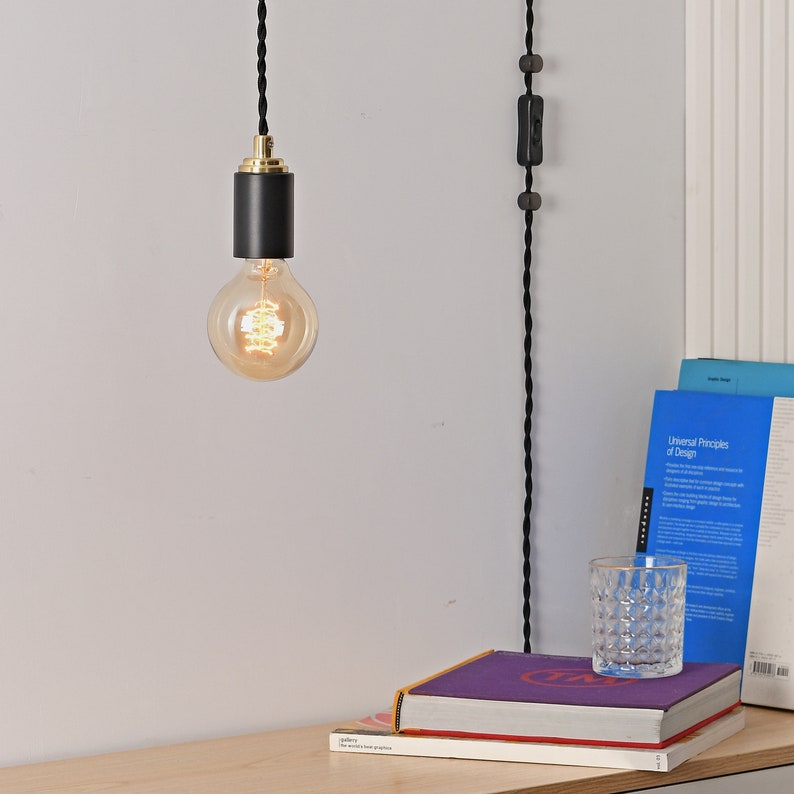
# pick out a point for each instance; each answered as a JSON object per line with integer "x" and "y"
{"x": 638, "y": 562}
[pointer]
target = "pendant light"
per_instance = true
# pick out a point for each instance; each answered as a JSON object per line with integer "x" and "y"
{"x": 263, "y": 325}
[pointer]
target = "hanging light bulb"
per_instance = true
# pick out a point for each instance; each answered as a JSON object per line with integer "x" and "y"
{"x": 262, "y": 324}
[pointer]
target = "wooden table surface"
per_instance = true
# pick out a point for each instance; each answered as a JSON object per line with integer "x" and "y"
{"x": 298, "y": 760}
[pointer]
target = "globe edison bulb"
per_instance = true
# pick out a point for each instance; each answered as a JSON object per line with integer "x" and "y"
{"x": 263, "y": 325}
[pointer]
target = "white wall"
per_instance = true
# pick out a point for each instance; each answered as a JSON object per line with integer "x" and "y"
{"x": 609, "y": 283}
{"x": 187, "y": 554}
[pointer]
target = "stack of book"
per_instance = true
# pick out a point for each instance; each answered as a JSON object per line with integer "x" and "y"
{"x": 508, "y": 706}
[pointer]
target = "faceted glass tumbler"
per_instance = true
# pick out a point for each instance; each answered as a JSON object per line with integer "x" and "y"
{"x": 638, "y": 615}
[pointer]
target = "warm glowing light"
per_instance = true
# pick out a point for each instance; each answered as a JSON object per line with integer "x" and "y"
{"x": 262, "y": 324}
{"x": 261, "y": 327}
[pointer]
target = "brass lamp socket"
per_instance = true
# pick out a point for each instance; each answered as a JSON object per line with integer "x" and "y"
{"x": 263, "y": 161}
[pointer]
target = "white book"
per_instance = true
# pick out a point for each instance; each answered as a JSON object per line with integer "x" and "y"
{"x": 374, "y": 735}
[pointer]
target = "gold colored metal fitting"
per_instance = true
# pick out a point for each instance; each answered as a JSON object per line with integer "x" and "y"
{"x": 263, "y": 161}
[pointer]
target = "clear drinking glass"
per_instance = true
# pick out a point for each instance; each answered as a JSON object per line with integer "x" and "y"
{"x": 638, "y": 615}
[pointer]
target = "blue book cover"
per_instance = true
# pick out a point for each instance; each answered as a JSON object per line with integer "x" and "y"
{"x": 719, "y": 493}
{"x": 736, "y": 377}
{"x": 704, "y": 481}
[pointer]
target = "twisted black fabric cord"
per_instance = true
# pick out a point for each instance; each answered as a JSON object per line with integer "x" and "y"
{"x": 528, "y": 370}
{"x": 261, "y": 52}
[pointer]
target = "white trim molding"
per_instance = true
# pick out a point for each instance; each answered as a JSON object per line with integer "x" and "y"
{"x": 739, "y": 179}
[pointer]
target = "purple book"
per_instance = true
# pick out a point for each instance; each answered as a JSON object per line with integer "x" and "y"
{"x": 532, "y": 696}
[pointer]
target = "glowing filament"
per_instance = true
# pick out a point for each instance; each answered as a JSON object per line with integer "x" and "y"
{"x": 261, "y": 327}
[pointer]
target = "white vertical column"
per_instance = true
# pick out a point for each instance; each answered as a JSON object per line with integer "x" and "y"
{"x": 740, "y": 101}
{"x": 749, "y": 141}
{"x": 699, "y": 175}
{"x": 774, "y": 171}
{"x": 789, "y": 277}
{"x": 725, "y": 112}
